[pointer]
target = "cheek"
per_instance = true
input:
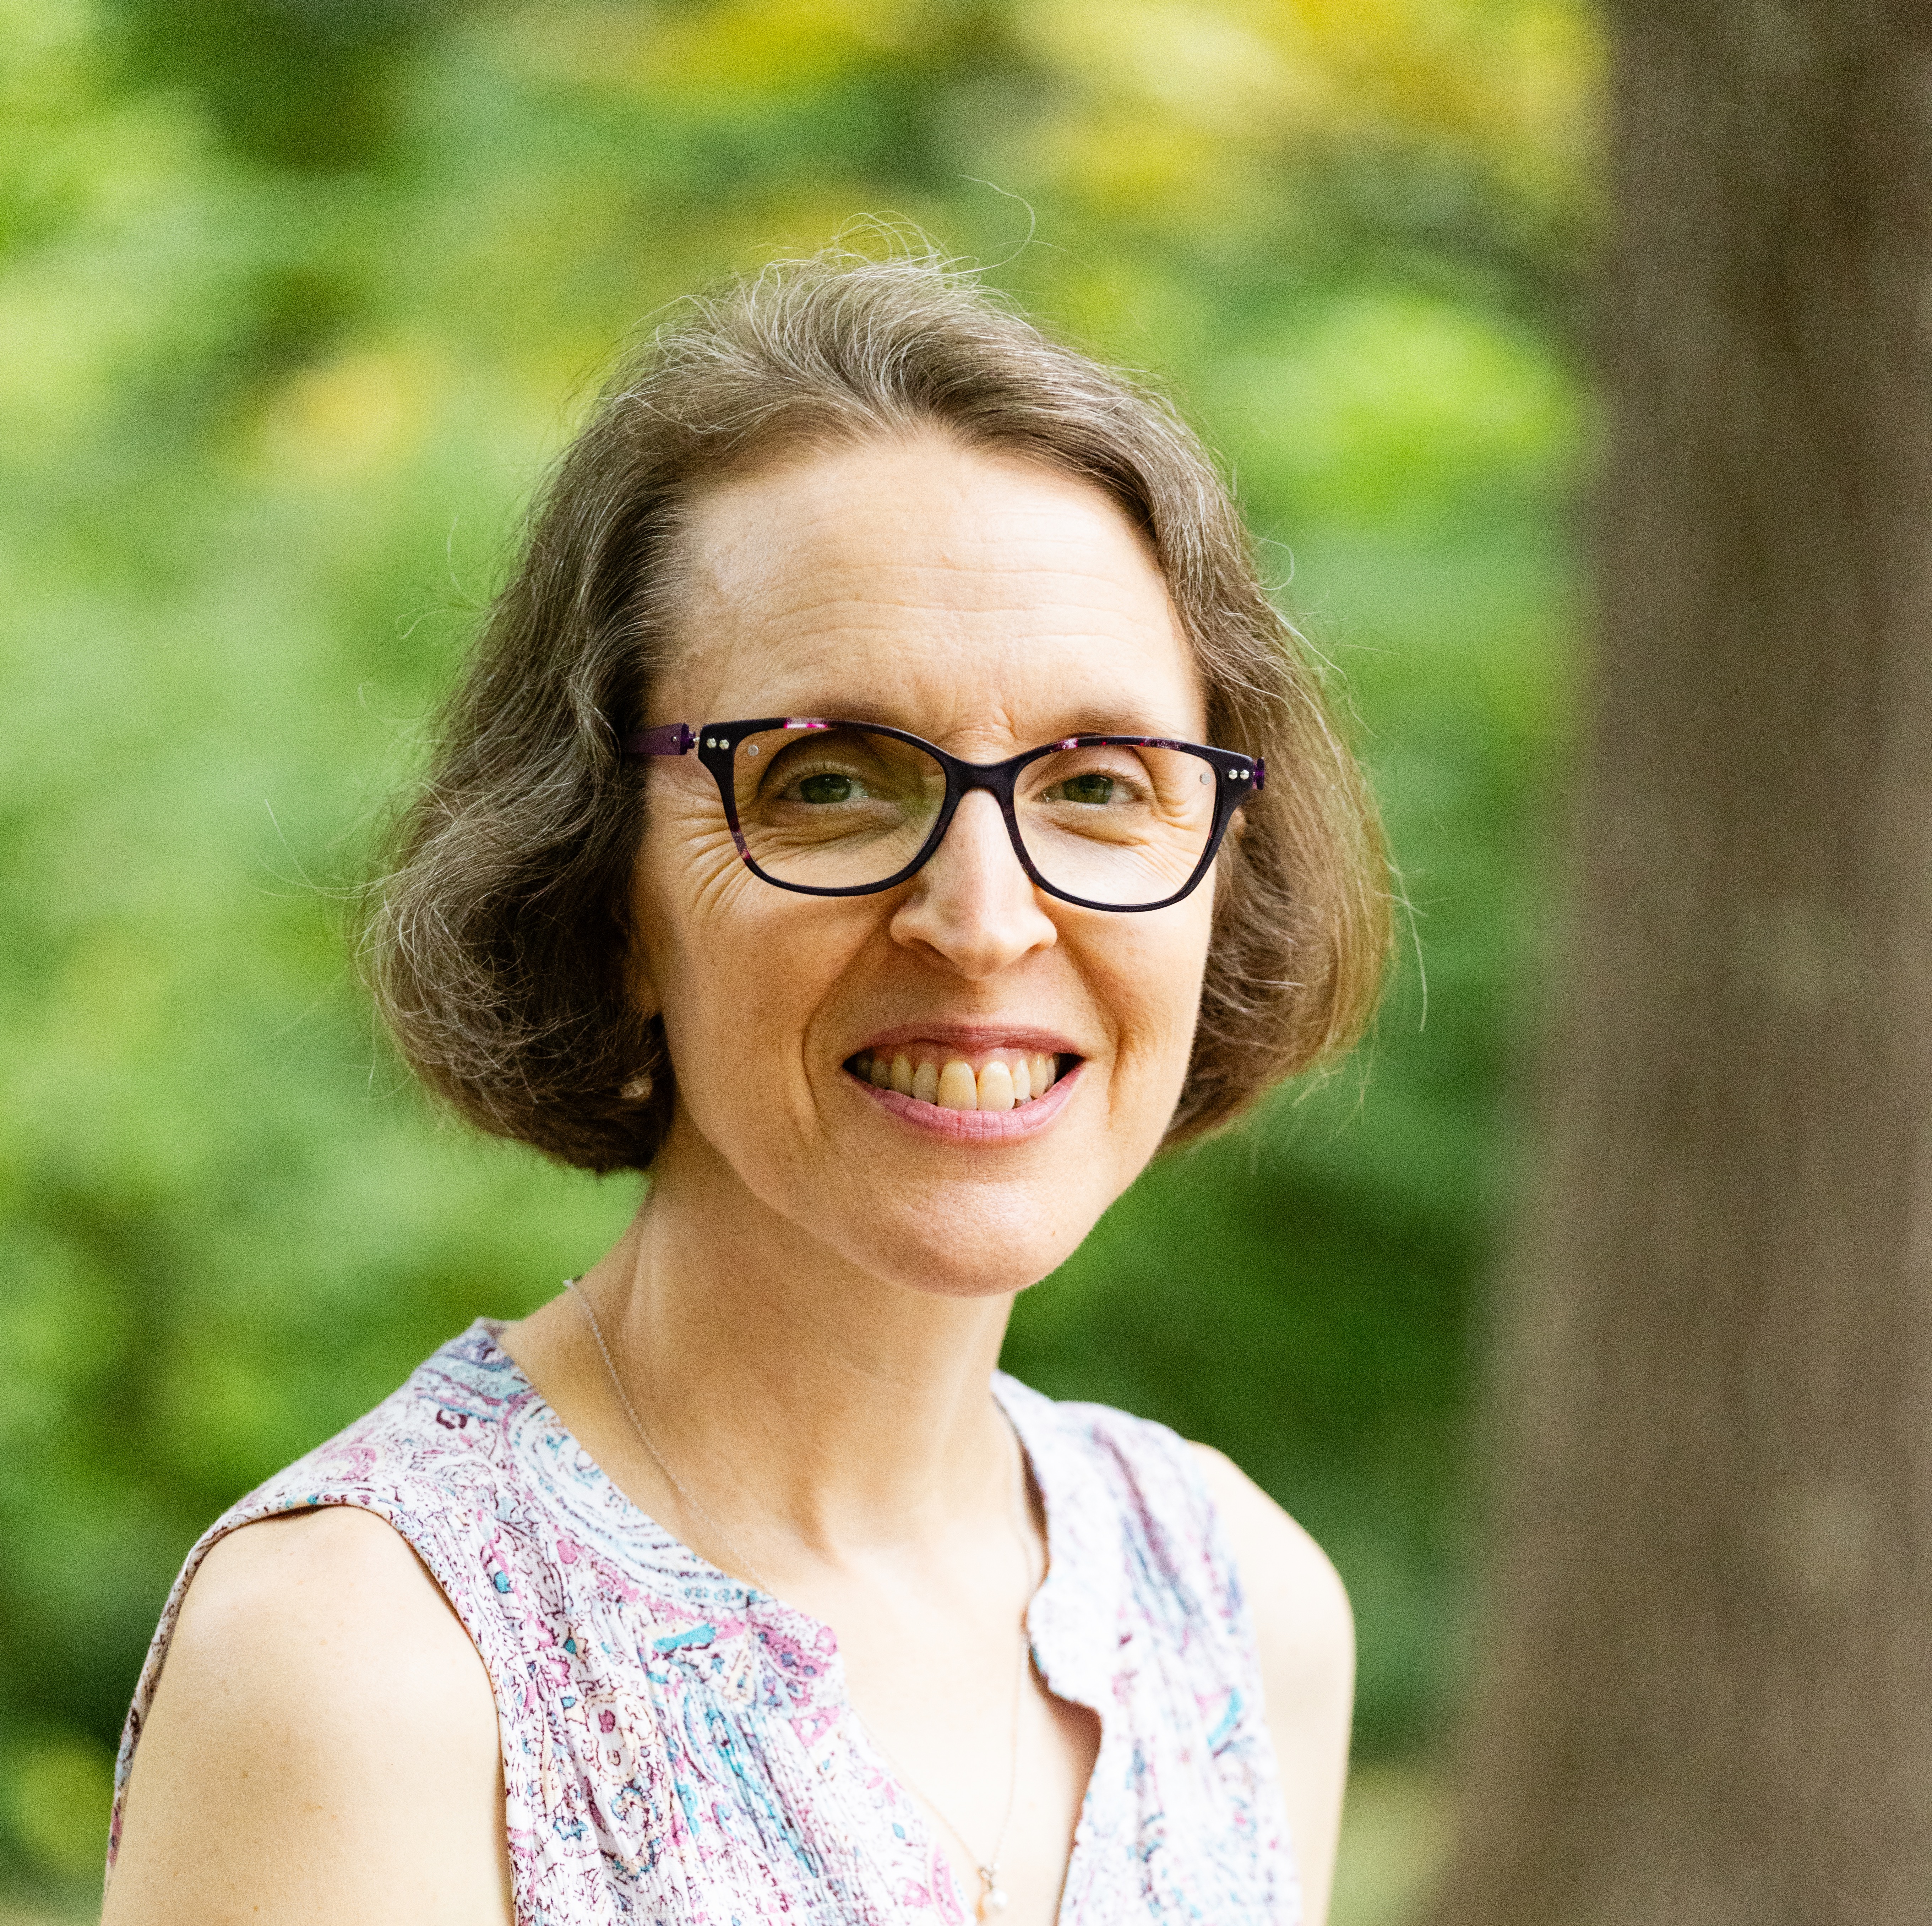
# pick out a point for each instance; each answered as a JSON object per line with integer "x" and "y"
{"x": 1161, "y": 979}
{"x": 685, "y": 870}
{"x": 1150, "y": 979}
{"x": 701, "y": 956}
{"x": 736, "y": 968}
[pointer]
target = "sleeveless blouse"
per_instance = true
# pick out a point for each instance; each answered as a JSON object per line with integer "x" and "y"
{"x": 677, "y": 1745}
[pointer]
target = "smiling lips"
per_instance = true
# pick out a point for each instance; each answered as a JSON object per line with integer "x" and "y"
{"x": 1002, "y": 1080}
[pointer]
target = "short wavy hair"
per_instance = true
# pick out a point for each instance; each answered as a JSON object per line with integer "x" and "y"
{"x": 496, "y": 938}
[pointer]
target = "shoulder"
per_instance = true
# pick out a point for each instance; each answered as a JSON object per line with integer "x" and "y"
{"x": 1304, "y": 1628}
{"x": 336, "y": 1591}
{"x": 1304, "y": 1635}
{"x": 322, "y": 1730}
{"x": 1200, "y": 1504}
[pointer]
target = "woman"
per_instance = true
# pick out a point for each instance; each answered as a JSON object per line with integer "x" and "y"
{"x": 885, "y": 808}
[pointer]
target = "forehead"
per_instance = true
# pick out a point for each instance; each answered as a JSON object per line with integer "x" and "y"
{"x": 958, "y": 592}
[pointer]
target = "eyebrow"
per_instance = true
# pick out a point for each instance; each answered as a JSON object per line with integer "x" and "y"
{"x": 1114, "y": 722}
{"x": 1081, "y": 722}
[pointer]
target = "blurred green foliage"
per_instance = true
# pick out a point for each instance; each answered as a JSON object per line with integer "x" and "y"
{"x": 296, "y": 296}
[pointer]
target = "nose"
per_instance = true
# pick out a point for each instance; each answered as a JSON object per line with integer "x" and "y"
{"x": 972, "y": 904}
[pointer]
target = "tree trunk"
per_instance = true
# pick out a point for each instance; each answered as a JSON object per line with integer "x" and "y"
{"x": 1706, "y": 1692}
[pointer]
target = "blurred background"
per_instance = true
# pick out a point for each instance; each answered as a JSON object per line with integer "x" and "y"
{"x": 297, "y": 297}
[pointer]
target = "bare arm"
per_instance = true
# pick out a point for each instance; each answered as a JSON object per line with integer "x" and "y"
{"x": 322, "y": 1745}
{"x": 1307, "y": 1636}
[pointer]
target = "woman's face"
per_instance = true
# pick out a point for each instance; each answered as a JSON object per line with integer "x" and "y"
{"x": 989, "y": 605}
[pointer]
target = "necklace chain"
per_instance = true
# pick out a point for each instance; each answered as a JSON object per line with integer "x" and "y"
{"x": 992, "y": 1896}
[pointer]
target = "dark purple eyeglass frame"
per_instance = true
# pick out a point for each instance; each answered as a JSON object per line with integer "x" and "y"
{"x": 1239, "y": 776}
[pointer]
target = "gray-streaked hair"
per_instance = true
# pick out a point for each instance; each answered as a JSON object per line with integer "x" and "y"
{"x": 496, "y": 940}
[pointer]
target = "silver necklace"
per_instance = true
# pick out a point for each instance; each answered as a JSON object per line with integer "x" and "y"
{"x": 993, "y": 1898}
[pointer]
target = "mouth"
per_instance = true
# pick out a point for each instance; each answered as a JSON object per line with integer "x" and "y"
{"x": 970, "y": 1089}
{"x": 945, "y": 1076}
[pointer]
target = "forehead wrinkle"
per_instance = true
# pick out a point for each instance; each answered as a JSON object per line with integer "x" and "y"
{"x": 1059, "y": 587}
{"x": 899, "y": 648}
{"x": 1018, "y": 573}
{"x": 1061, "y": 601}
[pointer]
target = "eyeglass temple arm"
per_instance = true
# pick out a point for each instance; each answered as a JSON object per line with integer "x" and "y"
{"x": 674, "y": 739}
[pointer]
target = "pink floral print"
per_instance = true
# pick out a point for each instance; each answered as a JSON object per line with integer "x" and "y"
{"x": 678, "y": 1748}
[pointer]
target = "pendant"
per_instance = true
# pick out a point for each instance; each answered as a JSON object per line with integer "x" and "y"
{"x": 993, "y": 1901}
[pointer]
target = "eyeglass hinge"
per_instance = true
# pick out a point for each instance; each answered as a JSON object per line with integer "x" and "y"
{"x": 674, "y": 739}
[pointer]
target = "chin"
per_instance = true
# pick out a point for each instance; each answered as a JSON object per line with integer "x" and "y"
{"x": 967, "y": 1251}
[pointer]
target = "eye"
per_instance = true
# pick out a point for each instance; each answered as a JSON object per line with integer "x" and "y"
{"x": 1090, "y": 788}
{"x": 827, "y": 786}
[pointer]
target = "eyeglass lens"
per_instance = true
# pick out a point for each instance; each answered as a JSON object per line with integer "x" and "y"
{"x": 842, "y": 809}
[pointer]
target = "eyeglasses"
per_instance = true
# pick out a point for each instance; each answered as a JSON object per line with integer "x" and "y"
{"x": 836, "y": 808}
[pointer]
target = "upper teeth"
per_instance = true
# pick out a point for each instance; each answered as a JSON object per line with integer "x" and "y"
{"x": 1002, "y": 1081}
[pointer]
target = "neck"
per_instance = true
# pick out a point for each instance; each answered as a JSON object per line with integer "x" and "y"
{"x": 816, "y": 1407}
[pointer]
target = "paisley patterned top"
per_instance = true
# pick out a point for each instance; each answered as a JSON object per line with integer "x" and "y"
{"x": 677, "y": 1746}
